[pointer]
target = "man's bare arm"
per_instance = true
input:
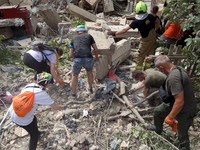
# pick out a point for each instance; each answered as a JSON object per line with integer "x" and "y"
{"x": 141, "y": 85}
{"x": 145, "y": 92}
{"x": 95, "y": 49}
{"x": 71, "y": 53}
{"x": 123, "y": 30}
{"x": 178, "y": 105}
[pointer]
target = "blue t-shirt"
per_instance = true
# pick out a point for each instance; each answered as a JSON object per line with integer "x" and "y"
{"x": 144, "y": 26}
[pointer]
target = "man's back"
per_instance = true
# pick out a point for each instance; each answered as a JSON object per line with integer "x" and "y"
{"x": 174, "y": 86}
{"x": 154, "y": 78}
{"x": 82, "y": 45}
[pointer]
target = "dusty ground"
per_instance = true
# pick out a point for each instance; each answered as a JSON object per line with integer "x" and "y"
{"x": 93, "y": 131}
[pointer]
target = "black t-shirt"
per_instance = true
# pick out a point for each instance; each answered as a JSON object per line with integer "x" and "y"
{"x": 159, "y": 31}
{"x": 144, "y": 26}
{"x": 82, "y": 45}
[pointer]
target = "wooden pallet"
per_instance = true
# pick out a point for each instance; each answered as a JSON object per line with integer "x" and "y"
{"x": 173, "y": 54}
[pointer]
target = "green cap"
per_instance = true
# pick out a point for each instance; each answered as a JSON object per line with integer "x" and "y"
{"x": 80, "y": 28}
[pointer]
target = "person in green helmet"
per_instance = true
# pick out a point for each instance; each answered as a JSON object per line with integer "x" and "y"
{"x": 146, "y": 24}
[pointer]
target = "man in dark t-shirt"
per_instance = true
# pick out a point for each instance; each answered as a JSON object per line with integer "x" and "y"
{"x": 154, "y": 11}
{"x": 179, "y": 116}
{"x": 80, "y": 51}
{"x": 146, "y": 24}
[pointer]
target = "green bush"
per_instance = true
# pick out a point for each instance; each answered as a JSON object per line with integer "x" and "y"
{"x": 78, "y": 22}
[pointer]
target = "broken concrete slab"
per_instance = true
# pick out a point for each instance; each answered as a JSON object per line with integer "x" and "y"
{"x": 46, "y": 31}
{"x": 97, "y": 26}
{"x": 49, "y": 15}
{"x": 20, "y": 132}
{"x": 93, "y": 26}
{"x": 108, "y": 6}
{"x": 105, "y": 45}
{"x": 123, "y": 21}
{"x": 122, "y": 52}
{"x": 129, "y": 33}
{"x": 102, "y": 66}
{"x": 24, "y": 42}
{"x": 24, "y": 2}
{"x": 64, "y": 25}
{"x": 3, "y": 2}
{"x": 7, "y": 32}
{"x": 34, "y": 21}
{"x": 92, "y": 3}
{"x": 81, "y": 13}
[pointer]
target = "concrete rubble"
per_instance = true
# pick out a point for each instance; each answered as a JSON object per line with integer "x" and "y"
{"x": 108, "y": 122}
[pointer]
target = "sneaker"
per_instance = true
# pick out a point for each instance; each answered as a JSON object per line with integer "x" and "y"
{"x": 73, "y": 95}
{"x": 89, "y": 91}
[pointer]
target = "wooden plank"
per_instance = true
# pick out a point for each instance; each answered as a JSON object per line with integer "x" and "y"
{"x": 171, "y": 57}
{"x": 171, "y": 49}
{"x": 179, "y": 49}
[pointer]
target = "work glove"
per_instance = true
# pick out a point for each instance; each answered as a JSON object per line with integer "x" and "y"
{"x": 96, "y": 58}
{"x": 61, "y": 82}
{"x": 172, "y": 123}
{"x": 111, "y": 33}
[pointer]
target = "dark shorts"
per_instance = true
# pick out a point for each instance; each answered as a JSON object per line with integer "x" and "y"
{"x": 78, "y": 63}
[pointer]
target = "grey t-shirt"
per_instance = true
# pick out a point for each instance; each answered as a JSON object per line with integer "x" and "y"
{"x": 153, "y": 78}
{"x": 82, "y": 45}
{"x": 174, "y": 86}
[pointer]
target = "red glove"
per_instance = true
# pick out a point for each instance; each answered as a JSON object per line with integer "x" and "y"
{"x": 172, "y": 123}
{"x": 61, "y": 82}
{"x": 111, "y": 33}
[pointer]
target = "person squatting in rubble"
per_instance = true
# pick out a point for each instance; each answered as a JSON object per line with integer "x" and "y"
{"x": 29, "y": 121}
{"x": 151, "y": 81}
{"x": 146, "y": 24}
{"x": 43, "y": 57}
{"x": 80, "y": 51}
{"x": 179, "y": 108}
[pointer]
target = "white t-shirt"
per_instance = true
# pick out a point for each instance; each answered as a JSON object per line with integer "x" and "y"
{"x": 37, "y": 55}
{"x": 41, "y": 98}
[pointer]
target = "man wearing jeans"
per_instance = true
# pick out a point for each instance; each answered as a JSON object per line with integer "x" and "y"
{"x": 80, "y": 51}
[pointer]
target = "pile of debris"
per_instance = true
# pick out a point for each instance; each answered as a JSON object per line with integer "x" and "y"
{"x": 106, "y": 119}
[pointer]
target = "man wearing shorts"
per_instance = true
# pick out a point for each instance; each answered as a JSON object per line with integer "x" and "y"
{"x": 80, "y": 51}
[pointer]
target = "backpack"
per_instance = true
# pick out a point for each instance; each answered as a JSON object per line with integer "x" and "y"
{"x": 43, "y": 46}
{"x": 23, "y": 103}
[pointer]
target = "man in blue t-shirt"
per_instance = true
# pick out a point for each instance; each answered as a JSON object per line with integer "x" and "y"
{"x": 80, "y": 51}
{"x": 146, "y": 24}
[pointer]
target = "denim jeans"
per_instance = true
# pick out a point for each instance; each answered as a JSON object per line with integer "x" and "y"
{"x": 78, "y": 63}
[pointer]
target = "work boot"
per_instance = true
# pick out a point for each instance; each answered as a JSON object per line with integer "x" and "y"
{"x": 89, "y": 91}
{"x": 73, "y": 95}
